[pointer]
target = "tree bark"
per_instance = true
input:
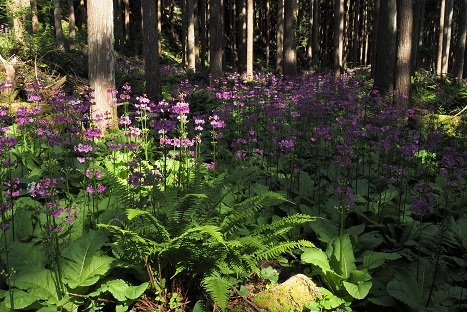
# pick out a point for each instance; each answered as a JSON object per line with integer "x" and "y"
{"x": 34, "y": 16}
{"x": 249, "y": 42}
{"x": 101, "y": 61}
{"x": 447, "y": 32}
{"x": 402, "y": 84}
{"x": 58, "y": 26}
{"x": 150, "y": 48}
{"x": 461, "y": 43}
{"x": 216, "y": 30}
{"x": 190, "y": 11}
{"x": 71, "y": 24}
{"x": 338, "y": 36}
{"x": 280, "y": 37}
{"x": 386, "y": 47}
{"x": 17, "y": 8}
{"x": 315, "y": 38}
{"x": 290, "y": 55}
{"x": 439, "y": 62}
{"x": 374, "y": 36}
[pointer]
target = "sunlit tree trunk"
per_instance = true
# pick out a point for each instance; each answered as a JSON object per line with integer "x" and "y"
{"x": 71, "y": 24}
{"x": 461, "y": 42}
{"x": 34, "y": 16}
{"x": 439, "y": 62}
{"x": 290, "y": 55}
{"x": 58, "y": 25}
{"x": 242, "y": 34}
{"x": 402, "y": 84}
{"x": 268, "y": 29}
{"x": 190, "y": 12}
{"x": 280, "y": 36}
{"x": 338, "y": 36}
{"x": 101, "y": 61}
{"x": 216, "y": 31}
{"x": 17, "y": 10}
{"x": 249, "y": 42}
{"x": 386, "y": 47}
{"x": 447, "y": 32}
{"x": 356, "y": 33}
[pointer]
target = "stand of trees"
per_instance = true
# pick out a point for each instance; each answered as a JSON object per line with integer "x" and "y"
{"x": 286, "y": 36}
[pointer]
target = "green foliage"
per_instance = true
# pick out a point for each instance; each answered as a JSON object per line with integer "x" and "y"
{"x": 206, "y": 236}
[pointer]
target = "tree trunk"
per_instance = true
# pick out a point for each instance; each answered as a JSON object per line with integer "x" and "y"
{"x": 101, "y": 61}
{"x": 150, "y": 48}
{"x": 280, "y": 36}
{"x": 402, "y": 83}
{"x": 386, "y": 47}
{"x": 216, "y": 31}
{"x": 290, "y": 55}
{"x": 190, "y": 11}
{"x": 17, "y": 8}
{"x": 34, "y": 16}
{"x": 447, "y": 32}
{"x": 242, "y": 35}
{"x": 249, "y": 42}
{"x": 268, "y": 28}
{"x": 356, "y": 34}
{"x": 461, "y": 42}
{"x": 315, "y": 38}
{"x": 338, "y": 36}
{"x": 439, "y": 62}
{"x": 203, "y": 40}
{"x": 58, "y": 26}
{"x": 126, "y": 4}
{"x": 71, "y": 24}
{"x": 374, "y": 36}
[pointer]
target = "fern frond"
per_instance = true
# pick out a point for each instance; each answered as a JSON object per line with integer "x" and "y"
{"x": 273, "y": 251}
{"x": 199, "y": 233}
{"x": 218, "y": 287}
{"x": 248, "y": 208}
{"x": 119, "y": 187}
{"x": 134, "y": 213}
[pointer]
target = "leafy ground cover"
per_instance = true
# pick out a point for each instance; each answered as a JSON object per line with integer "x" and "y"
{"x": 224, "y": 188}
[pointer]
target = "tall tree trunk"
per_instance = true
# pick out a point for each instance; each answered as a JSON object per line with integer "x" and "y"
{"x": 34, "y": 16}
{"x": 356, "y": 34}
{"x": 309, "y": 49}
{"x": 126, "y": 12}
{"x": 268, "y": 27}
{"x": 447, "y": 36}
{"x": 280, "y": 37}
{"x": 338, "y": 36}
{"x": 439, "y": 62}
{"x": 315, "y": 37}
{"x": 242, "y": 35}
{"x": 386, "y": 47}
{"x": 150, "y": 48}
{"x": 461, "y": 42}
{"x": 216, "y": 31}
{"x": 249, "y": 42}
{"x": 203, "y": 39}
{"x": 402, "y": 84}
{"x": 101, "y": 61}
{"x": 17, "y": 8}
{"x": 374, "y": 36}
{"x": 58, "y": 25}
{"x": 71, "y": 24}
{"x": 290, "y": 55}
{"x": 190, "y": 12}
{"x": 184, "y": 31}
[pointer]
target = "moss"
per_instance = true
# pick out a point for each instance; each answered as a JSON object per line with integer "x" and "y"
{"x": 292, "y": 295}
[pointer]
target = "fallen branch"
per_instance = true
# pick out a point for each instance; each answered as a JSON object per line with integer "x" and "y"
{"x": 9, "y": 68}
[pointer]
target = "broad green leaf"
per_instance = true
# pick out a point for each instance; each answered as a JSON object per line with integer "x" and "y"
{"x": 21, "y": 299}
{"x": 86, "y": 272}
{"x": 405, "y": 288}
{"x": 359, "y": 284}
{"x": 384, "y": 301}
{"x": 40, "y": 285}
{"x": 24, "y": 257}
{"x": 324, "y": 229}
{"x": 122, "y": 291}
{"x": 342, "y": 259}
{"x": 83, "y": 264}
{"x": 317, "y": 257}
{"x": 376, "y": 259}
